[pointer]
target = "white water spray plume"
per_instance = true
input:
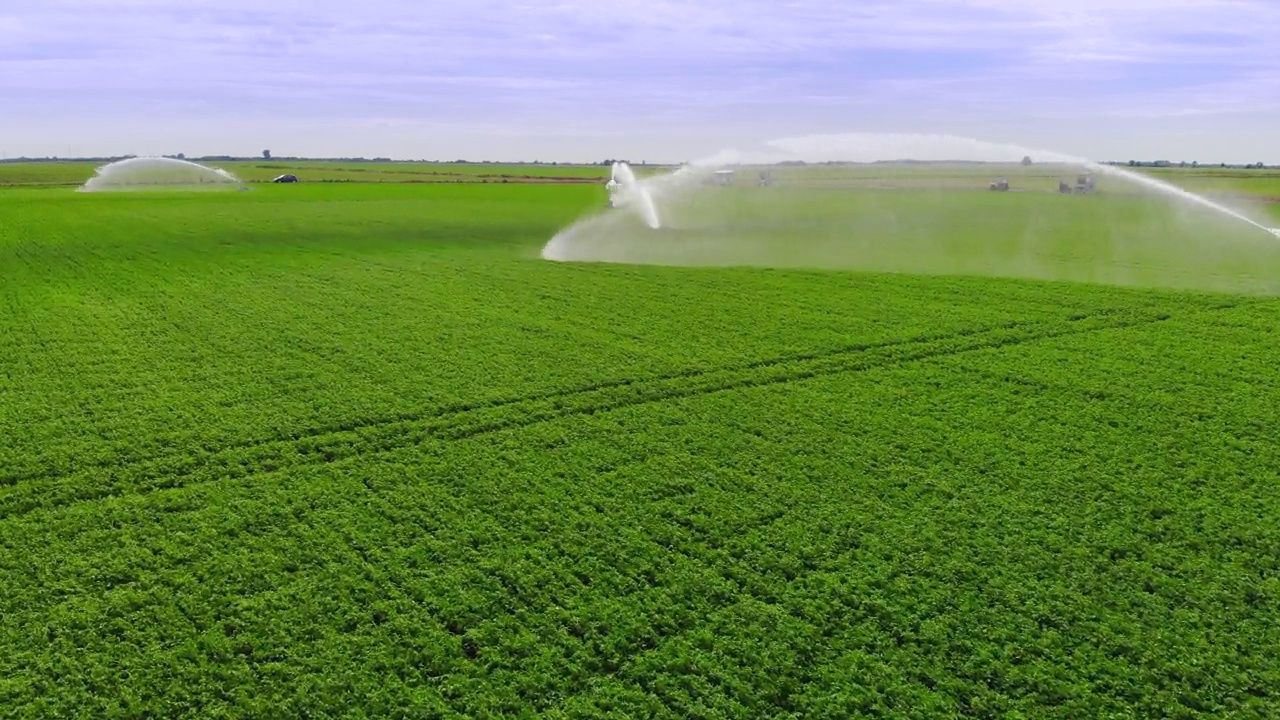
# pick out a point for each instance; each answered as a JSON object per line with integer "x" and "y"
{"x": 929, "y": 204}
{"x": 159, "y": 173}
{"x": 629, "y": 192}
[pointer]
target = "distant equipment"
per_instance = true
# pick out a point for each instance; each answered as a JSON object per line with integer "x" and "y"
{"x": 1000, "y": 185}
{"x": 613, "y": 186}
{"x": 722, "y": 178}
{"x": 286, "y": 179}
{"x": 625, "y": 190}
{"x": 766, "y": 178}
{"x": 1084, "y": 184}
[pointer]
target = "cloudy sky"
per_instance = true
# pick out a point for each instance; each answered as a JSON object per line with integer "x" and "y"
{"x": 659, "y": 80}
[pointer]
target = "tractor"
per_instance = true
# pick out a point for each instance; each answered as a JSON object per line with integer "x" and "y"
{"x": 1084, "y": 184}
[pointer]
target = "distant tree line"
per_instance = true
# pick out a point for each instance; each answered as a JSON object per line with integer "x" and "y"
{"x": 1193, "y": 164}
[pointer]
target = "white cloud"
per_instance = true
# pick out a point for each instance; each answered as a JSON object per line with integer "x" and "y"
{"x": 666, "y": 64}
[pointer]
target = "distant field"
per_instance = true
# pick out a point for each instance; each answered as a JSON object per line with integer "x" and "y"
{"x": 45, "y": 173}
{"x": 1039, "y": 177}
{"x": 417, "y": 172}
{"x": 1261, "y": 183}
{"x": 309, "y": 171}
{"x": 944, "y": 220}
{"x": 353, "y": 449}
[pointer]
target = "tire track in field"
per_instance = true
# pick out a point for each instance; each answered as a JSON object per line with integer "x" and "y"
{"x": 466, "y": 421}
{"x": 459, "y": 408}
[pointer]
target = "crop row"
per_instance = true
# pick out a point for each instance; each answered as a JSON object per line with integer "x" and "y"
{"x": 22, "y": 494}
{"x": 914, "y": 538}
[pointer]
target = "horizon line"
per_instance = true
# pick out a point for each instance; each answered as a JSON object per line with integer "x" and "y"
{"x": 603, "y": 163}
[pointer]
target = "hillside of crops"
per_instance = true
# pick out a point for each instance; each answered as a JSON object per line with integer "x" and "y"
{"x": 353, "y": 449}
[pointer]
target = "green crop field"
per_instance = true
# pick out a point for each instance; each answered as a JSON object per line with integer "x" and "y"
{"x": 355, "y": 450}
{"x": 260, "y": 171}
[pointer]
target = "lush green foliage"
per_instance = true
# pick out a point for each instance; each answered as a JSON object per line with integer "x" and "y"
{"x": 354, "y": 450}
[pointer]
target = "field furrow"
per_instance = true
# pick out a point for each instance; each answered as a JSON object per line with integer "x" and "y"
{"x": 23, "y": 494}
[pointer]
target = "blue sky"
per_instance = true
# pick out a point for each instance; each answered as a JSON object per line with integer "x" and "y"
{"x": 666, "y": 80}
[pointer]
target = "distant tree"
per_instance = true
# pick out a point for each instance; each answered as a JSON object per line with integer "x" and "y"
{"x": 1195, "y": 163}
{"x": 266, "y": 154}
{"x": 1026, "y": 160}
{"x": 1133, "y": 163}
{"x": 182, "y": 156}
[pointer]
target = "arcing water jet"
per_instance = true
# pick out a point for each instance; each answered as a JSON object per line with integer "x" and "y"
{"x": 628, "y": 191}
{"x": 159, "y": 173}
{"x": 1177, "y": 193}
{"x": 907, "y": 203}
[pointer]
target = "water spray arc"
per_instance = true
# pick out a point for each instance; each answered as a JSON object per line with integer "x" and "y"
{"x": 906, "y": 203}
{"x": 626, "y": 191}
{"x": 159, "y": 173}
{"x": 1176, "y": 192}
{"x": 887, "y": 147}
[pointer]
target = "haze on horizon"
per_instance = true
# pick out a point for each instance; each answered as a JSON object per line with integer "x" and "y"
{"x": 661, "y": 81}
